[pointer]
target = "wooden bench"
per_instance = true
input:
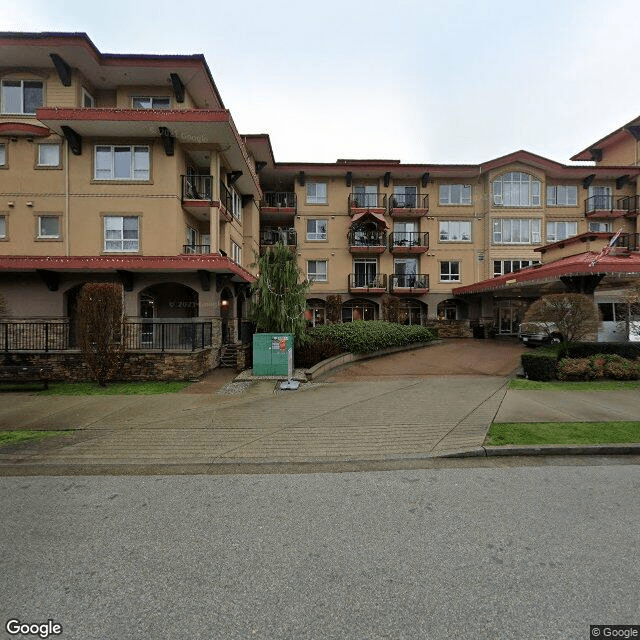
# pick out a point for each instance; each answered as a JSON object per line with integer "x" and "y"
{"x": 18, "y": 374}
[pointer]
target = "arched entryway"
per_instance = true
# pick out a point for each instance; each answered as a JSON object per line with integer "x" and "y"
{"x": 452, "y": 310}
{"x": 359, "y": 310}
{"x": 412, "y": 311}
{"x": 226, "y": 304}
{"x": 169, "y": 300}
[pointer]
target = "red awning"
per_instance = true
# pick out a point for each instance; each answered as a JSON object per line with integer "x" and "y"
{"x": 363, "y": 214}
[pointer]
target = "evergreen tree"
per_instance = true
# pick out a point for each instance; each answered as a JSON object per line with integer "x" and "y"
{"x": 281, "y": 298}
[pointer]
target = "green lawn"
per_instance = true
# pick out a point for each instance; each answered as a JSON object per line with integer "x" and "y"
{"x": 27, "y": 435}
{"x": 502, "y": 433}
{"x": 559, "y": 385}
{"x": 93, "y": 389}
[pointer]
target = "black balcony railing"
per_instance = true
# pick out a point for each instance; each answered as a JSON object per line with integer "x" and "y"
{"x": 409, "y": 281}
{"x": 367, "y": 238}
{"x": 273, "y": 235}
{"x": 279, "y": 200}
{"x": 225, "y": 197}
{"x": 408, "y": 201}
{"x": 408, "y": 239}
{"x": 605, "y": 203}
{"x": 630, "y": 204}
{"x": 197, "y": 188}
{"x": 42, "y": 335}
{"x": 367, "y": 281}
{"x": 629, "y": 241}
{"x": 367, "y": 200}
{"x": 196, "y": 248}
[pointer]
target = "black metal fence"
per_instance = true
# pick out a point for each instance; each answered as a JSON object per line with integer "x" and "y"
{"x": 197, "y": 187}
{"x": 141, "y": 335}
{"x": 279, "y": 200}
{"x": 367, "y": 238}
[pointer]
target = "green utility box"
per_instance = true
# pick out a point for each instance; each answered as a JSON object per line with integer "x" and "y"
{"x": 272, "y": 354}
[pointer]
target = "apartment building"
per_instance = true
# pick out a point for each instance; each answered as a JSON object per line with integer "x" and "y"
{"x": 129, "y": 168}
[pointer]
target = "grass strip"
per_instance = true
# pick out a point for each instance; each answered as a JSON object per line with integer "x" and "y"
{"x": 8, "y": 438}
{"x": 559, "y": 385}
{"x": 93, "y": 389}
{"x": 524, "y": 433}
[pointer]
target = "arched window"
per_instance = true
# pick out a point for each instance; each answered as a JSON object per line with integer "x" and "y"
{"x": 316, "y": 312}
{"x": 516, "y": 189}
{"x": 358, "y": 310}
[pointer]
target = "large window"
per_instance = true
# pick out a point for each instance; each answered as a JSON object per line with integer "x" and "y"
{"x": 503, "y": 267}
{"x": 121, "y": 233}
{"x": 3, "y": 155}
{"x": 455, "y": 194}
{"x": 358, "y": 310}
{"x": 562, "y": 196}
{"x": 3, "y": 227}
{"x": 449, "y": 271}
{"x": 151, "y": 102}
{"x": 316, "y": 229}
{"x": 455, "y": 231}
{"x": 122, "y": 163}
{"x": 602, "y": 227}
{"x": 48, "y": 155}
{"x": 317, "y": 270}
{"x": 236, "y": 253}
{"x": 236, "y": 204}
{"x": 21, "y": 96}
{"x": 48, "y": 227}
{"x": 516, "y": 189}
{"x": 516, "y": 231}
{"x": 316, "y": 193}
{"x": 557, "y": 231}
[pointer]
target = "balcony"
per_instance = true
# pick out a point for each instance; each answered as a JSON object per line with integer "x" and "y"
{"x": 196, "y": 249}
{"x": 278, "y": 206}
{"x": 366, "y": 283}
{"x": 197, "y": 195}
{"x": 270, "y": 236}
{"x": 628, "y": 241}
{"x": 603, "y": 206}
{"x": 409, "y": 283}
{"x": 367, "y": 242}
{"x": 408, "y": 205}
{"x": 362, "y": 202}
{"x": 408, "y": 242}
{"x": 631, "y": 204}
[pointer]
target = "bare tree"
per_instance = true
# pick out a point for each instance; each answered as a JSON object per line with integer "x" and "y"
{"x": 632, "y": 315}
{"x": 574, "y": 315}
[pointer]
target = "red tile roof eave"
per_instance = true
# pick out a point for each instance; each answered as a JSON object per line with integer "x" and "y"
{"x": 133, "y": 115}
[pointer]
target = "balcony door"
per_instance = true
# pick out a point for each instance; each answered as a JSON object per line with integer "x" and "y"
{"x": 404, "y": 196}
{"x": 365, "y": 195}
{"x": 599, "y": 198}
{"x": 402, "y": 232}
{"x": 405, "y": 270}
{"x": 365, "y": 272}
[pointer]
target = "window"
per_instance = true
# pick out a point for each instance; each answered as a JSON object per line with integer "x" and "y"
{"x": 21, "y": 96}
{"x": 455, "y": 194}
{"x": 48, "y": 155}
{"x": 562, "y": 196}
{"x": 516, "y": 231}
{"x": 236, "y": 204}
{"x": 316, "y": 229}
{"x": 365, "y": 273}
{"x": 3, "y": 226}
{"x": 122, "y": 163}
{"x": 557, "y": 231}
{"x": 3, "y": 155}
{"x": 365, "y": 195}
{"x": 316, "y": 193}
{"x": 455, "y": 231}
{"x": 316, "y": 312}
{"x": 151, "y": 102}
{"x": 450, "y": 271}
{"x": 121, "y": 233}
{"x": 404, "y": 197}
{"x": 516, "y": 189}
{"x": 317, "y": 270}
{"x": 502, "y": 267}
{"x": 602, "y": 227}
{"x": 48, "y": 227}
{"x": 236, "y": 253}
{"x": 358, "y": 310}
{"x": 87, "y": 99}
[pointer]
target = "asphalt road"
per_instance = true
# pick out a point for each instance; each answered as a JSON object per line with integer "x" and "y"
{"x": 528, "y": 552}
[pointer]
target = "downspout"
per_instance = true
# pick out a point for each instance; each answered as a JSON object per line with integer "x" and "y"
{"x": 67, "y": 226}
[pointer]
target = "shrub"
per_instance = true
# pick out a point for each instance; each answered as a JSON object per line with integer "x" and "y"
{"x": 334, "y": 308}
{"x": 621, "y": 369}
{"x": 628, "y": 350}
{"x": 575, "y": 314}
{"x": 574, "y": 369}
{"x": 597, "y": 367}
{"x": 315, "y": 350}
{"x": 540, "y": 364}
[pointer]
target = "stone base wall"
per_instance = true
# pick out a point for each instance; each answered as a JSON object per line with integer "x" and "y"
{"x": 451, "y": 328}
{"x": 244, "y": 357}
{"x": 68, "y": 366}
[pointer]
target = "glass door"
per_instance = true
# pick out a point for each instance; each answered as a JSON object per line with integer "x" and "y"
{"x": 404, "y": 196}
{"x": 365, "y": 273}
{"x": 405, "y": 271}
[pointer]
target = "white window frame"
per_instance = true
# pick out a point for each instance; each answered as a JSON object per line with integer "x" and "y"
{"x": 236, "y": 204}
{"x": 561, "y": 195}
{"x": 121, "y": 239}
{"x": 48, "y": 145}
{"x": 453, "y": 230}
{"x": 553, "y": 227}
{"x": 144, "y": 175}
{"x": 315, "y": 197}
{"x": 521, "y": 264}
{"x": 22, "y": 87}
{"x": 498, "y": 234}
{"x": 236, "y": 253}
{"x": 316, "y": 275}
{"x": 445, "y": 194}
{"x": 505, "y": 197}
{"x": 3, "y": 227}
{"x": 3, "y": 154}
{"x": 152, "y": 100}
{"x": 447, "y": 274}
{"x": 600, "y": 227}
{"x": 318, "y": 234}
{"x": 48, "y": 236}
{"x": 87, "y": 97}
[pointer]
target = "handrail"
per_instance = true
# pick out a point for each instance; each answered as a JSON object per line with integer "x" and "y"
{"x": 273, "y": 235}
{"x": 408, "y": 201}
{"x": 197, "y": 187}
{"x": 409, "y": 239}
{"x": 409, "y": 281}
{"x": 279, "y": 199}
{"x": 367, "y": 200}
{"x": 366, "y": 281}
{"x": 357, "y": 238}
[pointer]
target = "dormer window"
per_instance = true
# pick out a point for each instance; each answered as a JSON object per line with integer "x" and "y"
{"x": 151, "y": 102}
{"x": 516, "y": 189}
{"x": 21, "y": 96}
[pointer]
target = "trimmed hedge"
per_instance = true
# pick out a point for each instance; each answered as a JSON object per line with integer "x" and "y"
{"x": 540, "y": 364}
{"x": 597, "y": 367}
{"x": 361, "y": 336}
{"x": 629, "y": 350}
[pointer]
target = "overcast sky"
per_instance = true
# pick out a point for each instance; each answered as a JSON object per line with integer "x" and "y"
{"x": 430, "y": 81}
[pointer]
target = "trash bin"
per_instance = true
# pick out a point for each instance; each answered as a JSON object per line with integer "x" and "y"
{"x": 478, "y": 331}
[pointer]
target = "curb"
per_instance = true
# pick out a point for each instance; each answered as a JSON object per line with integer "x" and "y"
{"x": 564, "y": 450}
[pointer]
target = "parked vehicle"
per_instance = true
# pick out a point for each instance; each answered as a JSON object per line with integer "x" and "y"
{"x": 537, "y": 333}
